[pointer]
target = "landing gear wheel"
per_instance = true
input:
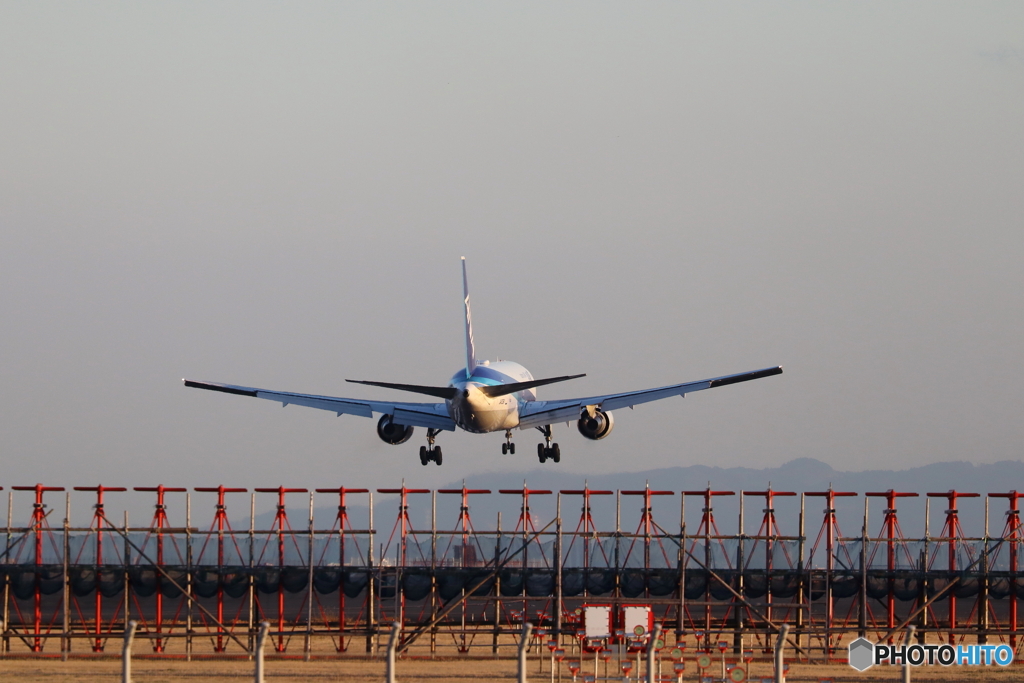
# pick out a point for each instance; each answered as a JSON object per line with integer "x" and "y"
{"x": 504, "y": 449}
{"x": 511, "y": 449}
{"x": 430, "y": 451}
{"x": 547, "y": 449}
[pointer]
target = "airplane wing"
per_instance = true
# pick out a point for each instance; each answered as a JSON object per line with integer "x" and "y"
{"x": 540, "y": 413}
{"x": 430, "y": 415}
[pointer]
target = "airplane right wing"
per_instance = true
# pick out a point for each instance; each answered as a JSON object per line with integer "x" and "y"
{"x": 430, "y": 415}
{"x": 540, "y": 413}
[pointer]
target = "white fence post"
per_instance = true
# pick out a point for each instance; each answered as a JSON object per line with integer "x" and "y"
{"x": 524, "y": 644}
{"x": 651, "y": 651}
{"x": 389, "y": 671}
{"x": 907, "y": 643}
{"x": 261, "y": 642}
{"x": 780, "y": 658}
{"x": 126, "y": 652}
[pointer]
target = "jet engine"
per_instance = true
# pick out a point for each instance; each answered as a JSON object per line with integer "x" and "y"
{"x": 392, "y": 432}
{"x": 595, "y": 423}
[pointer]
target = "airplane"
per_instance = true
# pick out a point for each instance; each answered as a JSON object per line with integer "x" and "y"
{"x": 485, "y": 396}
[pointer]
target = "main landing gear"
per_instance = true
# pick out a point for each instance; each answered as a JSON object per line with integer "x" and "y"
{"x": 547, "y": 449}
{"x": 430, "y": 451}
{"x": 508, "y": 448}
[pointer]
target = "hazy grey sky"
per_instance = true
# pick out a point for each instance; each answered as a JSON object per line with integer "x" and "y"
{"x": 278, "y": 195}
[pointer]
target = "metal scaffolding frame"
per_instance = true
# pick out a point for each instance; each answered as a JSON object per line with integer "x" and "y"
{"x": 202, "y": 590}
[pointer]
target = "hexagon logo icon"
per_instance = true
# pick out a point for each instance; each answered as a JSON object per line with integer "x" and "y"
{"x": 862, "y": 654}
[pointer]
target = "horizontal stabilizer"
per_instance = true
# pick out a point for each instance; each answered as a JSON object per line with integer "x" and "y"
{"x": 440, "y": 392}
{"x": 505, "y": 389}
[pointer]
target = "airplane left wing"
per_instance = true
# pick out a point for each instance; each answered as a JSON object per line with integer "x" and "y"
{"x": 540, "y": 413}
{"x": 430, "y": 415}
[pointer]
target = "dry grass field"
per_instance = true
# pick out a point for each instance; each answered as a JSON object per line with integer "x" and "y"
{"x": 108, "y": 669}
{"x": 445, "y": 664}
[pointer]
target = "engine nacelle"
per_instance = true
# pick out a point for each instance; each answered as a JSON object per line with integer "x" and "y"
{"x": 392, "y": 432}
{"x": 595, "y": 425}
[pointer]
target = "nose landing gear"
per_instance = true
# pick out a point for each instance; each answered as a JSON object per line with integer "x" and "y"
{"x": 430, "y": 452}
{"x": 508, "y": 448}
{"x": 547, "y": 449}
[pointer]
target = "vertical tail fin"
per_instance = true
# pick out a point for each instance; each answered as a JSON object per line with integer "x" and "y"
{"x": 470, "y": 348}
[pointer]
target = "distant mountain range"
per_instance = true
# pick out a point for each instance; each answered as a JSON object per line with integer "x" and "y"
{"x": 800, "y": 475}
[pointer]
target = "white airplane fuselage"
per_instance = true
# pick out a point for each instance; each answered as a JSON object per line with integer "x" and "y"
{"x": 478, "y": 413}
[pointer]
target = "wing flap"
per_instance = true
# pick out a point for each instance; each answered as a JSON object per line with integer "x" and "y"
{"x": 539, "y": 415}
{"x": 634, "y": 398}
{"x": 335, "y": 405}
{"x": 415, "y": 418}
